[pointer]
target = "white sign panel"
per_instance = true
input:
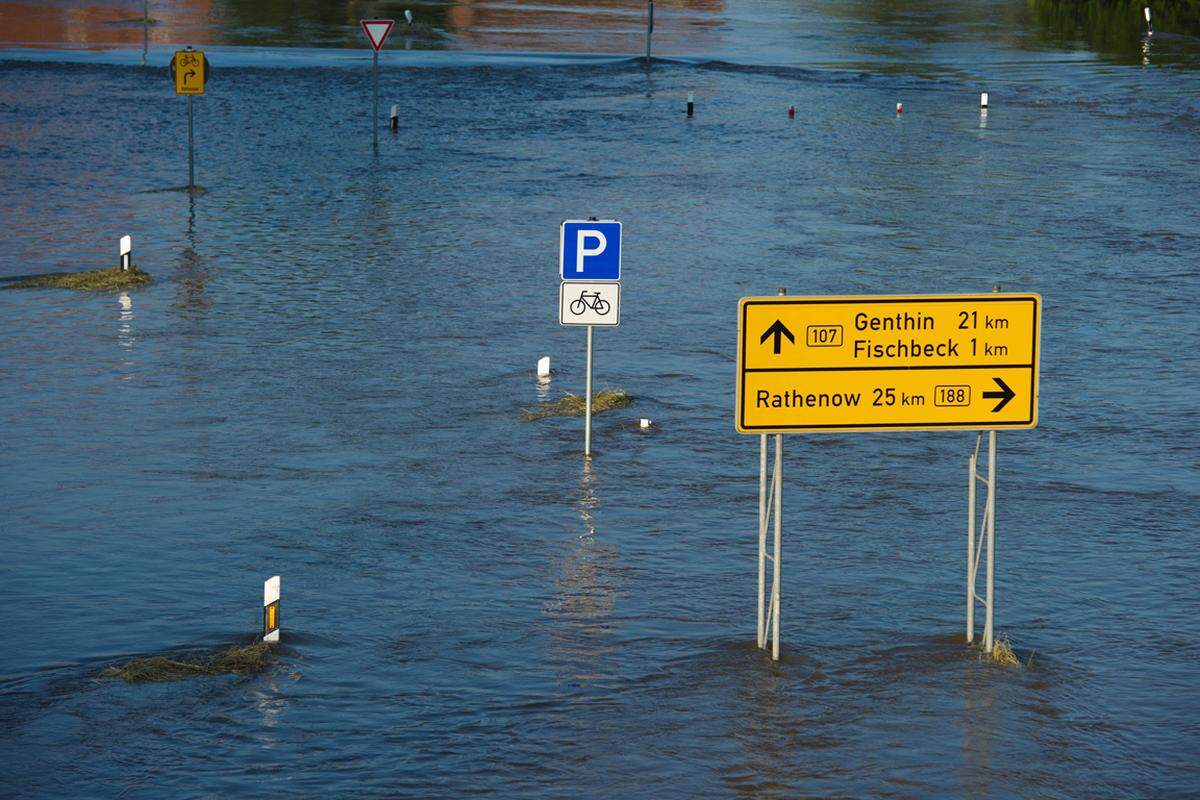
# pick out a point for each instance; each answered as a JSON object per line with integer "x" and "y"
{"x": 583, "y": 303}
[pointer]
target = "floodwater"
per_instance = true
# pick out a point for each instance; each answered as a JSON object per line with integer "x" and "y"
{"x": 324, "y": 382}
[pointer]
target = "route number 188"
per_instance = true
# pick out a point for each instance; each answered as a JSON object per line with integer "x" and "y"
{"x": 952, "y": 395}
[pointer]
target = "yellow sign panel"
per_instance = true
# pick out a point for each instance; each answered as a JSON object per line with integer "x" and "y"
{"x": 187, "y": 68}
{"x": 887, "y": 363}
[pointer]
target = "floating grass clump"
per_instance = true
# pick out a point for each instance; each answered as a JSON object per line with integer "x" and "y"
{"x": 237, "y": 660}
{"x": 573, "y": 405}
{"x": 97, "y": 280}
{"x": 1002, "y": 653}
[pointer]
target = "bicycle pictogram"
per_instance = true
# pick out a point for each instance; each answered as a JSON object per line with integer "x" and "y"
{"x": 590, "y": 300}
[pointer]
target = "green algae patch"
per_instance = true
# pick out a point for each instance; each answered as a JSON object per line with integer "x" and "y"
{"x": 237, "y": 660}
{"x": 97, "y": 280}
{"x": 573, "y": 405}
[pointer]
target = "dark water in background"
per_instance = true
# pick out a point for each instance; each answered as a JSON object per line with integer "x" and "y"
{"x": 324, "y": 383}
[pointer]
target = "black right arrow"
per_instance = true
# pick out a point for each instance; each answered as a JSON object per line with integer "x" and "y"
{"x": 778, "y": 330}
{"x": 191, "y": 73}
{"x": 1004, "y": 396}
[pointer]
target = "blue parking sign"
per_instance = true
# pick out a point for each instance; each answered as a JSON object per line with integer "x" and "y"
{"x": 590, "y": 250}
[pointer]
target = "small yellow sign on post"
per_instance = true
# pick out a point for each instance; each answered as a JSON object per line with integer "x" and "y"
{"x": 188, "y": 70}
{"x": 887, "y": 363}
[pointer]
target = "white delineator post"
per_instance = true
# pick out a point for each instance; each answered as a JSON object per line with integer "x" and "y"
{"x": 983, "y": 100}
{"x": 271, "y": 609}
{"x": 126, "y": 252}
{"x": 1149, "y": 24}
{"x": 543, "y": 368}
{"x": 395, "y": 119}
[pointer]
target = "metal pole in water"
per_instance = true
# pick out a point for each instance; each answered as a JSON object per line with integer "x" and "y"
{"x": 988, "y": 638}
{"x": 191, "y": 148}
{"x": 649, "y": 27}
{"x": 778, "y": 560}
{"x": 587, "y": 425}
{"x": 762, "y": 539}
{"x": 375, "y": 105}
{"x": 971, "y": 548}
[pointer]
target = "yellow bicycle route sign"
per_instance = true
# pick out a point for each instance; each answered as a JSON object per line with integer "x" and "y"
{"x": 189, "y": 70}
{"x": 887, "y": 363}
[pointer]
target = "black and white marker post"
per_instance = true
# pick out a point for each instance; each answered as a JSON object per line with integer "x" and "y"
{"x": 126, "y": 252}
{"x": 271, "y": 615}
{"x": 691, "y": 103}
{"x": 1149, "y": 24}
{"x": 395, "y": 125}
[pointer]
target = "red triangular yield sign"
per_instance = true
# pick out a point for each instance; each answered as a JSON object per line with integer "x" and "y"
{"x": 377, "y": 30}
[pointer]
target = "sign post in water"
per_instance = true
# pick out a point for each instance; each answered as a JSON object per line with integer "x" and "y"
{"x": 189, "y": 71}
{"x": 861, "y": 364}
{"x": 589, "y": 263}
{"x": 377, "y": 31}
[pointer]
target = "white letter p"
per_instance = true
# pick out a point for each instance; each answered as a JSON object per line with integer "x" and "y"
{"x": 582, "y": 252}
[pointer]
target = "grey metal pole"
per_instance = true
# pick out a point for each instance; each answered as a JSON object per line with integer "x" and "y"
{"x": 375, "y": 104}
{"x": 191, "y": 148}
{"x": 988, "y": 637}
{"x": 971, "y": 548}
{"x": 762, "y": 539}
{"x": 649, "y": 28}
{"x": 587, "y": 425}
{"x": 778, "y": 560}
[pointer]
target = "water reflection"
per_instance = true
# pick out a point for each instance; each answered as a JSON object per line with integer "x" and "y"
{"x": 191, "y": 298}
{"x": 584, "y": 597}
{"x": 1113, "y": 27}
{"x": 125, "y": 337}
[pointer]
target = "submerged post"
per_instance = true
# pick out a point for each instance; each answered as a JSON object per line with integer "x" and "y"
{"x": 375, "y": 105}
{"x": 971, "y": 478}
{"x": 763, "y": 518}
{"x": 777, "y": 561}
{"x": 587, "y": 425}
{"x": 649, "y": 27}
{"x": 990, "y": 512}
{"x": 191, "y": 148}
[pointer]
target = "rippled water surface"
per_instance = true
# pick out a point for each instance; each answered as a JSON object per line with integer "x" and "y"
{"x": 325, "y": 381}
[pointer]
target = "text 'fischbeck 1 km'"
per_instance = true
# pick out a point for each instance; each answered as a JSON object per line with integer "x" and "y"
{"x": 887, "y": 363}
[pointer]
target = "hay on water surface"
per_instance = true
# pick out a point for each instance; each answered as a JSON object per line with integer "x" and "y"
{"x": 237, "y": 660}
{"x": 1002, "y": 653}
{"x": 97, "y": 280}
{"x": 572, "y": 405}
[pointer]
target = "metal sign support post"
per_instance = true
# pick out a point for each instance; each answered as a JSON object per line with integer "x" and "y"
{"x": 768, "y": 614}
{"x": 587, "y": 425}
{"x": 191, "y": 149}
{"x": 649, "y": 27}
{"x": 987, "y": 532}
{"x": 375, "y": 105}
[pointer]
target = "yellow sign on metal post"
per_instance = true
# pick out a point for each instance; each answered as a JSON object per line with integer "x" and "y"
{"x": 188, "y": 68}
{"x": 887, "y": 363}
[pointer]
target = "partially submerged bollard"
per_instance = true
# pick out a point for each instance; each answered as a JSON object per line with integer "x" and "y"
{"x": 395, "y": 117}
{"x": 543, "y": 368}
{"x": 126, "y": 252}
{"x": 791, "y": 112}
{"x": 407, "y": 18}
{"x": 644, "y": 424}
{"x": 271, "y": 609}
{"x": 899, "y": 108}
{"x": 691, "y": 103}
{"x": 983, "y": 101}
{"x": 1149, "y": 24}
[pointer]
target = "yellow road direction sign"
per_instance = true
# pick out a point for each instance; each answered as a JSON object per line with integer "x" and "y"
{"x": 887, "y": 363}
{"x": 188, "y": 69}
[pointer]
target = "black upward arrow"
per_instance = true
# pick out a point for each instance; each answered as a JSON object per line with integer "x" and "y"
{"x": 1004, "y": 395}
{"x": 778, "y": 330}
